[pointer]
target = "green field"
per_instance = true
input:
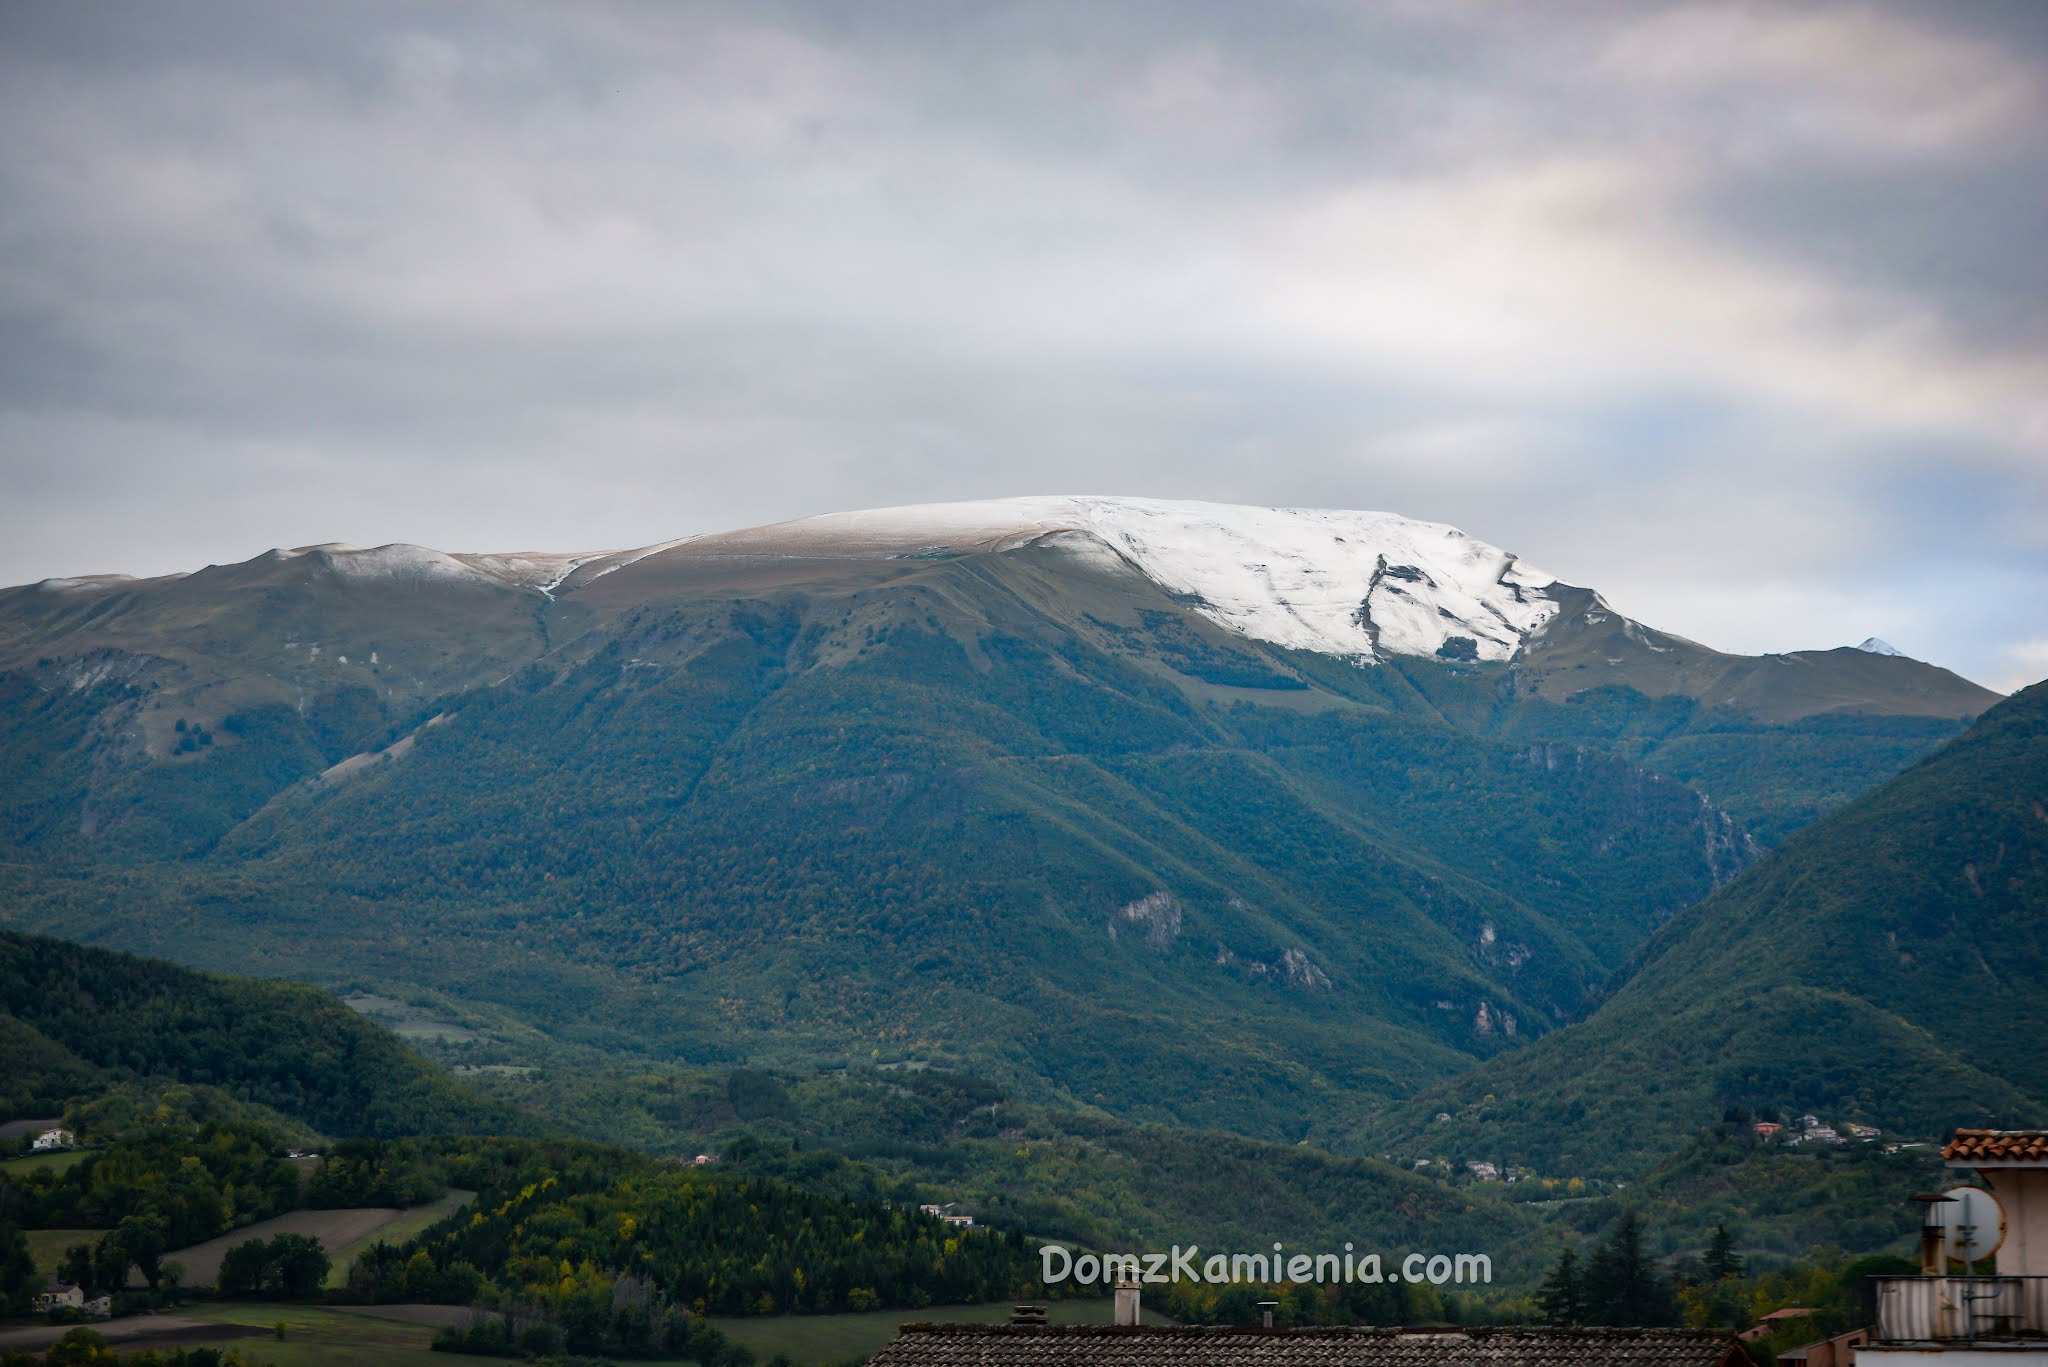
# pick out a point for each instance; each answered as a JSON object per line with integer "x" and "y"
{"x": 366, "y": 1337}
{"x": 316, "y": 1337}
{"x": 39, "y": 1162}
{"x": 407, "y": 1224}
{"x": 47, "y": 1246}
{"x": 347, "y": 1230}
{"x": 839, "y": 1338}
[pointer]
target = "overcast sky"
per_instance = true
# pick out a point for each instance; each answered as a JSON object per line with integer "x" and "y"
{"x": 1737, "y": 313}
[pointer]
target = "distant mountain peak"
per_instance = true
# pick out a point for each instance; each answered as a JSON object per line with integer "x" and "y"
{"x": 1337, "y": 582}
{"x": 1878, "y": 646}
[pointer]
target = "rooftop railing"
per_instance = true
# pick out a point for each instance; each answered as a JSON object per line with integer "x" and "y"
{"x": 1961, "y": 1309}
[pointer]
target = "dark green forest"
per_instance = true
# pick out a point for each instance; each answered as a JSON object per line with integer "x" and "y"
{"x": 80, "y": 1021}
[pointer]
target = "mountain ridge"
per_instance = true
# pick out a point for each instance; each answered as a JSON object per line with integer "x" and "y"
{"x": 1205, "y": 553}
{"x": 1012, "y": 805}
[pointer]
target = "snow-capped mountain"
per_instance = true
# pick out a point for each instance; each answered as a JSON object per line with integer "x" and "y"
{"x": 1356, "y": 584}
{"x": 1359, "y": 586}
{"x": 1877, "y": 646}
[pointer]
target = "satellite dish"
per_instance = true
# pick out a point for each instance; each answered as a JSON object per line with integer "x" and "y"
{"x": 1972, "y": 1224}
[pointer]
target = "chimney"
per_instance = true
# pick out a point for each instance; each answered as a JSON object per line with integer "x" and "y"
{"x": 1266, "y": 1309}
{"x": 1127, "y": 1302}
{"x": 1933, "y": 1256}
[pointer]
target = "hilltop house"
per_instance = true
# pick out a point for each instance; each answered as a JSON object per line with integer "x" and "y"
{"x": 1978, "y": 1321}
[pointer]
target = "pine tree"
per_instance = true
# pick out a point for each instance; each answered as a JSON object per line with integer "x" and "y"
{"x": 1562, "y": 1297}
{"x": 1722, "y": 1259}
{"x": 1622, "y": 1287}
{"x": 18, "y": 1279}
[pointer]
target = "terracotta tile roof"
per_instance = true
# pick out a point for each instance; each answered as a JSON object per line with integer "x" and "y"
{"x": 1018, "y": 1345}
{"x": 1997, "y": 1146}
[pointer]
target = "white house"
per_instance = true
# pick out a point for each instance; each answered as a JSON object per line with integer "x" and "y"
{"x": 1994, "y": 1320}
{"x": 52, "y": 1139}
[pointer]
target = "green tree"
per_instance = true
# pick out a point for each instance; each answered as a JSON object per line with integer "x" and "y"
{"x": 79, "y": 1347}
{"x": 142, "y": 1238}
{"x": 76, "y": 1267}
{"x": 289, "y": 1265}
{"x": 297, "y": 1266}
{"x": 1722, "y": 1259}
{"x": 1622, "y": 1286}
{"x": 17, "y": 1272}
{"x": 1563, "y": 1297}
{"x": 241, "y": 1268}
{"x": 110, "y": 1262}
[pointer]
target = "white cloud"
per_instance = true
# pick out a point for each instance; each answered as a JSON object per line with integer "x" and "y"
{"x": 2026, "y": 662}
{"x": 613, "y": 274}
{"x": 1839, "y": 74}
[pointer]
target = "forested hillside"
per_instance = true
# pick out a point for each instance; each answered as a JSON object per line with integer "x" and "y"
{"x": 1884, "y": 966}
{"x": 77, "y": 1021}
{"x": 1015, "y": 807}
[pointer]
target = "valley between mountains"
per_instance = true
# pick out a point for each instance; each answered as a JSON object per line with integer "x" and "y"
{"x": 1038, "y": 852}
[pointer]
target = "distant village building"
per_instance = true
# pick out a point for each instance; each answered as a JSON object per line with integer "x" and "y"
{"x": 703, "y": 1160}
{"x": 59, "y": 1296}
{"x": 1766, "y": 1128}
{"x": 960, "y": 1221}
{"x": 52, "y": 1139}
{"x": 1863, "y": 1131}
{"x": 1484, "y": 1171}
{"x": 1810, "y": 1129}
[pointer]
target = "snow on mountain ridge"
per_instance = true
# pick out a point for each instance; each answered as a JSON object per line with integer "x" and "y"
{"x": 1356, "y": 584}
{"x": 1360, "y": 585}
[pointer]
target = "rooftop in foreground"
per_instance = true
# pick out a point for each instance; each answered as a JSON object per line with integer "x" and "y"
{"x": 1021, "y": 1345}
{"x": 1997, "y": 1146}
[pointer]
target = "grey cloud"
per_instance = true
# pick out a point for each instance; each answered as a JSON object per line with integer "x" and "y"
{"x": 1706, "y": 320}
